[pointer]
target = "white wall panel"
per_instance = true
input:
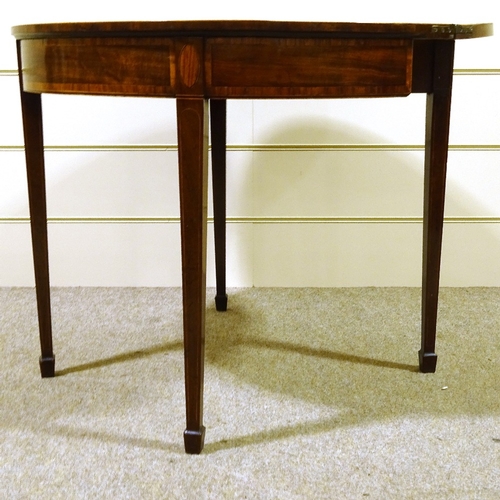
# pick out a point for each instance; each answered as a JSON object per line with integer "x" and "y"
{"x": 16, "y": 261}
{"x": 11, "y": 125}
{"x": 115, "y": 254}
{"x": 481, "y": 52}
{"x": 13, "y": 185}
{"x": 297, "y": 170}
{"x": 470, "y": 255}
{"x": 337, "y": 183}
{"x": 473, "y": 184}
{"x": 265, "y": 184}
{"x": 475, "y": 112}
{"x": 112, "y": 184}
{"x": 378, "y": 254}
{"x": 101, "y": 120}
{"x": 258, "y": 255}
{"x": 341, "y": 121}
{"x": 338, "y": 254}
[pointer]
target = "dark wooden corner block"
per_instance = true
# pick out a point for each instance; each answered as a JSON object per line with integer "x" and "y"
{"x": 194, "y": 441}
{"x": 427, "y": 361}
{"x": 200, "y": 61}
{"x": 47, "y": 367}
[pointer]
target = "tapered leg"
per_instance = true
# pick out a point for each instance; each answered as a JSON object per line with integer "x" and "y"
{"x": 33, "y": 139}
{"x": 436, "y": 153}
{"x": 192, "y": 134}
{"x": 218, "y": 132}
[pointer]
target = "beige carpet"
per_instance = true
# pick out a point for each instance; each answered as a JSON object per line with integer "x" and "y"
{"x": 309, "y": 393}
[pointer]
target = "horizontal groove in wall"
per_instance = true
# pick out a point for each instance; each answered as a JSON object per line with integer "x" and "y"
{"x": 255, "y": 220}
{"x": 260, "y": 147}
{"x": 476, "y": 72}
{"x": 99, "y": 147}
{"x": 359, "y": 147}
{"x": 458, "y": 71}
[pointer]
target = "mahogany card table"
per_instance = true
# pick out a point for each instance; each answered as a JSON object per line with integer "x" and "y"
{"x": 202, "y": 62}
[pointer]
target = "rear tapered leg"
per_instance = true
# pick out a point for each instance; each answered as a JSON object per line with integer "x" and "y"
{"x": 218, "y": 133}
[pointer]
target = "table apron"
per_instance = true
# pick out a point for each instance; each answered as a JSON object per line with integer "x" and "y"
{"x": 296, "y": 67}
{"x": 230, "y": 67}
